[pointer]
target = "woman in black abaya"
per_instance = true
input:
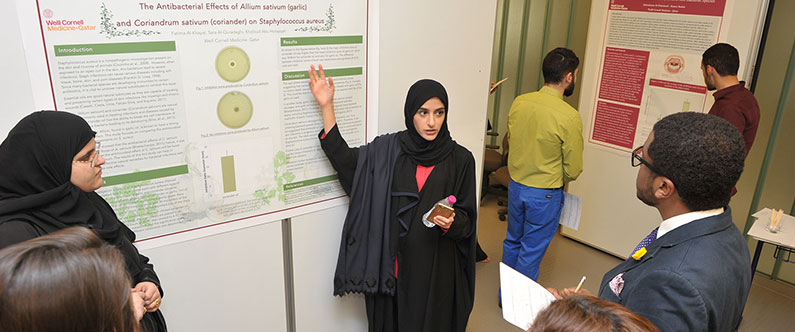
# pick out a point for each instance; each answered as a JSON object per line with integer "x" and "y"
{"x": 414, "y": 278}
{"x": 50, "y": 168}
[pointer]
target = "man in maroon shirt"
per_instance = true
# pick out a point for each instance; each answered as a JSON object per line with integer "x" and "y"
{"x": 733, "y": 101}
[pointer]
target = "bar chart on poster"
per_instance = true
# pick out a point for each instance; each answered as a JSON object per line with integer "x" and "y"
{"x": 642, "y": 63}
{"x": 203, "y": 108}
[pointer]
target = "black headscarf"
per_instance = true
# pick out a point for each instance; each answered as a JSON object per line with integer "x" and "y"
{"x": 35, "y": 185}
{"x": 36, "y": 188}
{"x": 422, "y": 152}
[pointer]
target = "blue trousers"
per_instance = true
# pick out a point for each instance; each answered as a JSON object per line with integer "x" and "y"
{"x": 533, "y": 217}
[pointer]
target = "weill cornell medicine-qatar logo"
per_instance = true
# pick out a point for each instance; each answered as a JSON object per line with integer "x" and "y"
{"x": 66, "y": 24}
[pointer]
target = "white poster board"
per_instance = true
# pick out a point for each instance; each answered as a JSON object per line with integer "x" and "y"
{"x": 643, "y": 62}
{"x": 650, "y": 66}
{"x": 203, "y": 109}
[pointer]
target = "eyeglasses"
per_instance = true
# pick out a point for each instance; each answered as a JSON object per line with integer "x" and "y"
{"x": 637, "y": 159}
{"x": 92, "y": 159}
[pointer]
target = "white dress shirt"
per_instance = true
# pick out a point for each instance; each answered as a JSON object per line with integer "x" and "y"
{"x": 672, "y": 223}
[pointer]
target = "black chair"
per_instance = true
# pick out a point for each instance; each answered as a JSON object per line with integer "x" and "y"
{"x": 499, "y": 179}
{"x": 492, "y": 160}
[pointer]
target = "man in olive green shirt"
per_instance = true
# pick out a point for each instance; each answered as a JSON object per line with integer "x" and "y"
{"x": 545, "y": 139}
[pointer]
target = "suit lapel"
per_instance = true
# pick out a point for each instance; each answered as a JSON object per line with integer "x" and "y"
{"x": 626, "y": 266}
{"x": 679, "y": 235}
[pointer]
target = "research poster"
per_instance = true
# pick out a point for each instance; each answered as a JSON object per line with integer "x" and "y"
{"x": 203, "y": 109}
{"x": 651, "y": 66}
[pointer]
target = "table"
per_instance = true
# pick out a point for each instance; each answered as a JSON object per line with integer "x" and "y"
{"x": 784, "y": 238}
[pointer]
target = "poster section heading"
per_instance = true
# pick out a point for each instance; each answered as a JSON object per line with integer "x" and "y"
{"x": 685, "y": 7}
{"x": 650, "y": 66}
{"x": 203, "y": 118}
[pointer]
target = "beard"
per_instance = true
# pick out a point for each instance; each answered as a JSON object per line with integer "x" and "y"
{"x": 710, "y": 85}
{"x": 646, "y": 196}
{"x": 569, "y": 90}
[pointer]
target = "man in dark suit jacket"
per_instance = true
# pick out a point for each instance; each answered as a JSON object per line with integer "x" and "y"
{"x": 694, "y": 274}
{"x": 695, "y": 278}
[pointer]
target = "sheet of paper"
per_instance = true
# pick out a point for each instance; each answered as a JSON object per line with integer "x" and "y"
{"x": 572, "y": 209}
{"x": 522, "y": 298}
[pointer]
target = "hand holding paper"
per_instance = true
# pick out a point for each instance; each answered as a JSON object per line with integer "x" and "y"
{"x": 522, "y": 298}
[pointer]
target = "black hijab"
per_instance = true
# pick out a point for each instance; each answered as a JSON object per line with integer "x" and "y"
{"x": 35, "y": 185}
{"x": 422, "y": 152}
{"x": 36, "y": 188}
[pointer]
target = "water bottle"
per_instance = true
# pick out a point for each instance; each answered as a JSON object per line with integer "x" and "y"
{"x": 448, "y": 201}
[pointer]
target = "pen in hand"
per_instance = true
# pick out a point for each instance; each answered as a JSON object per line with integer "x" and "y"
{"x": 579, "y": 285}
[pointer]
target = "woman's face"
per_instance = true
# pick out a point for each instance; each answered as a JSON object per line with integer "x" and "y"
{"x": 84, "y": 176}
{"x": 429, "y": 118}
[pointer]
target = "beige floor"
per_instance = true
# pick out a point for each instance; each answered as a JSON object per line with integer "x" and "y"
{"x": 770, "y": 306}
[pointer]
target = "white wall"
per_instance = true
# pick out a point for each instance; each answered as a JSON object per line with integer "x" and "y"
{"x": 15, "y": 91}
{"x": 449, "y": 41}
{"x": 315, "y": 243}
{"x": 226, "y": 282}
